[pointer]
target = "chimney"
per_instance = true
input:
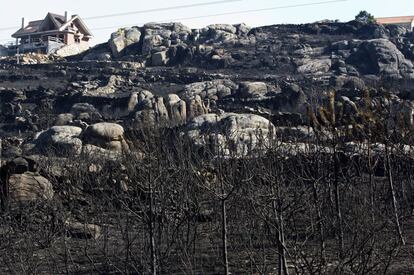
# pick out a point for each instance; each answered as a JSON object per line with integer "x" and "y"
{"x": 66, "y": 16}
{"x": 22, "y": 22}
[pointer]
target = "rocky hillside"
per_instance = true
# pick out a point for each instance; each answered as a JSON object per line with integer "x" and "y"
{"x": 168, "y": 72}
{"x": 74, "y": 132}
{"x": 229, "y": 80}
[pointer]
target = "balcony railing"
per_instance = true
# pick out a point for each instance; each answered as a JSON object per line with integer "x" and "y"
{"x": 45, "y": 43}
{"x": 42, "y": 41}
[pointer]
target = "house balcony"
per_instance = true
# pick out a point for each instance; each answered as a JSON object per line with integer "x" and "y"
{"x": 45, "y": 45}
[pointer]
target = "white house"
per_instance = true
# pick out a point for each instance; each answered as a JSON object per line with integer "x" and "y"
{"x": 403, "y": 21}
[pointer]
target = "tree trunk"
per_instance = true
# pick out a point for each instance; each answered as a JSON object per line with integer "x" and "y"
{"x": 282, "y": 245}
{"x": 394, "y": 198}
{"x": 224, "y": 235}
{"x": 338, "y": 205}
{"x": 151, "y": 229}
{"x": 283, "y": 270}
{"x": 371, "y": 183}
{"x": 319, "y": 221}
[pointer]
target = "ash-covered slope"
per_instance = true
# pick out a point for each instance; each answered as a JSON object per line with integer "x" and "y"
{"x": 169, "y": 74}
{"x": 330, "y": 104}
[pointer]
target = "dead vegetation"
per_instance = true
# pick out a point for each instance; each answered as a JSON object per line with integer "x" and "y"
{"x": 333, "y": 207}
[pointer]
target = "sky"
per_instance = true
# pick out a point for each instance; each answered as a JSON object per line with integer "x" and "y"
{"x": 273, "y": 12}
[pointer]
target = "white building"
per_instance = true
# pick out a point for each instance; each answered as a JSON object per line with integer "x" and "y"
{"x": 403, "y": 21}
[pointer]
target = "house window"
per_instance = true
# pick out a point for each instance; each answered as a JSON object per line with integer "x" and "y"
{"x": 77, "y": 39}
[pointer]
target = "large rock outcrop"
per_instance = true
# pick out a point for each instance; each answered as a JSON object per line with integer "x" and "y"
{"x": 210, "y": 90}
{"x": 381, "y": 56}
{"x": 73, "y": 49}
{"x": 158, "y": 37}
{"x": 170, "y": 109}
{"x": 230, "y": 133}
{"x": 317, "y": 66}
{"x": 29, "y": 187}
{"x": 150, "y": 109}
{"x": 253, "y": 89}
{"x": 123, "y": 38}
{"x": 59, "y": 140}
{"x": 177, "y": 110}
{"x": 106, "y": 135}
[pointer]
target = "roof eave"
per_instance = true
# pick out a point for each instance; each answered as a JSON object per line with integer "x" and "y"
{"x": 88, "y": 32}
{"x": 35, "y": 33}
{"x": 77, "y": 17}
{"x": 15, "y": 35}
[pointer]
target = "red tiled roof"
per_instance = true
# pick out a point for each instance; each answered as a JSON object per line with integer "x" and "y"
{"x": 395, "y": 20}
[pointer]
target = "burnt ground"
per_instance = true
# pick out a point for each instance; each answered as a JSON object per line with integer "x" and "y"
{"x": 35, "y": 239}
